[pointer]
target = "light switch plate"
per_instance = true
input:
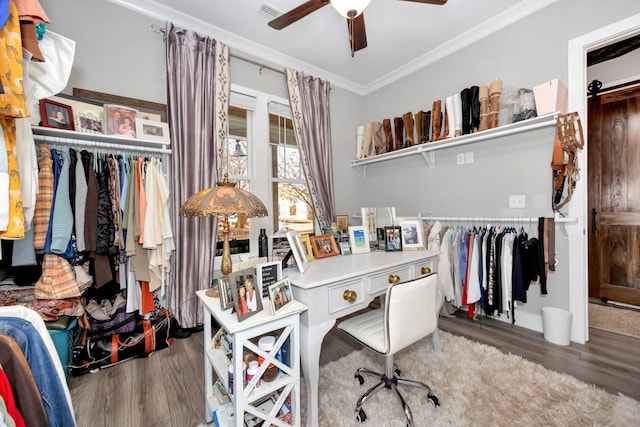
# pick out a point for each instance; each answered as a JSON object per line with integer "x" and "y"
{"x": 461, "y": 159}
{"x": 517, "y": 201}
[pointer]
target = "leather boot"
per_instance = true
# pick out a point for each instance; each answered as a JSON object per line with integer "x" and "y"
{"x": 359, "y": 141}
{"x": 449, "y": 123}
{"x": 495, "y": 90}
{"x": 388, "y": 135}
{"x": 437, "y": 120}
{"x": 379, "y": 146}
{"x": 418, "y": 122}
{"x": 426, "y": 126}
{"x": 367, "y": 143}
{"x": 465, "y": 104}
{"x": 483, "y": 96}
{"x": 407, "y": 119}
{"x": 475, "y": 108}
{"x": 398, "y": 126}
{"x": 457, "y": 115}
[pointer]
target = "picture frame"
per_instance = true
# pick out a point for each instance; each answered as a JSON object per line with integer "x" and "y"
{"x": 393, "y": 238}
{"x": 120, "y": 120}
{"x": 306, "y": 245}
{"x": 298, "y": 251}
{"x": 377, "y": 217}
{"x": 345, "y": 248}
{"x": 324, "y": 246}
{"x": 57, "y": 115}
{"x": 247, "y": 300}
{"x": 358, "y": 239}
{"x": 87, "y": 114}
{"x": 225, "y": 292}
{"x": 342, "y": 222}
{"x": 152, "y": 130}
{"x": 412, "y": 234}
{"x": 268, "y": 273}
{"x": 280, "y": 295}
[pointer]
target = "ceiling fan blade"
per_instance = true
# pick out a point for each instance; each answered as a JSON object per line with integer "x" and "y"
{"x": 357, "y": 33}
{"x": 436, "y": 2}
{"x": 297, "y": 13}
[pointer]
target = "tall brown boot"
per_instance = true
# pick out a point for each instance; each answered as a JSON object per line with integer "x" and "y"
{"x": 407, "y": 118}
{"x": 378, "y": 138}
{"x": 437, "y": 119}
{"x": 426, "y": 126}
{"x": 495, "y": 90}
{"x": 418, "y": 122}
{"x": 483, "y": 96}
{"x": 367, "y": 143}
{"x": 388, "y": 134}
{"x": 398, "y": 126}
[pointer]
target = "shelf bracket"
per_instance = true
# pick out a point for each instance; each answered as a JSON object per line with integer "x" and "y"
{"x": 429, "y": 157}
{"x": 363, "y": 170}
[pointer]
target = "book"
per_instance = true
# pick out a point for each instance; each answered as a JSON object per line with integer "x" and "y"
{"x": 223, "y": 416}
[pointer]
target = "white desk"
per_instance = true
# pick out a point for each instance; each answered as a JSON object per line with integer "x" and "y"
{"x": 335, "y": 287}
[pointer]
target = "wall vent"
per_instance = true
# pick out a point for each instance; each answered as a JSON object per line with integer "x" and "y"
{"x": 268, "y": 11}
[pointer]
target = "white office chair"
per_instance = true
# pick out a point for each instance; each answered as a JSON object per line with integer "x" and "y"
{"x": 410, "y": 313}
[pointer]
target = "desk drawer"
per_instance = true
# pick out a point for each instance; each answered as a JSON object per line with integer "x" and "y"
{"x": 338, "y": 299}
{"x": 379, "y": 282}
{"x": 425, "y": 264}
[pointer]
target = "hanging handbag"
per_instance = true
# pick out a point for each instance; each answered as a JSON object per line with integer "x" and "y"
{"x": 564, "y": 163}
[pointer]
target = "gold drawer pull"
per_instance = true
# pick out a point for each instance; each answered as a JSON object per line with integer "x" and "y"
{"x": 425, "y": 270}
{"x": 393, "y": 278}
{"x": 350, "y": 296}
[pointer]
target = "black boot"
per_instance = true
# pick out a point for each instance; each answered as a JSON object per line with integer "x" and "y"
{"x": 475, "y": 108}
{"x": 465, "y": 98}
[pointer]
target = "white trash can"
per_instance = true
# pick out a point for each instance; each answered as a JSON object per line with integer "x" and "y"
{"x": 556, "y": 325}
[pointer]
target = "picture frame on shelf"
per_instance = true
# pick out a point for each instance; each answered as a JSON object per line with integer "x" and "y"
{"x": 358, "y": 239}
{"x": 345, "y": 248}
{"x": 247, "y": 300}
{"x": 305, "y": 241}
{"x": 324, "y": 246}
{"x": 268, "y": 273}
{"x": 393, "y": 239}
{"x": 412, "y": 234}
{"x": 147, "y": 109}
{"x": 280, "y": 295}
{"x": 56, "y": 115}
{"x": 225, "y": 292}
{"x": 87, "y": 114}
{"x": 298, "y": 251}
{"x": 152, "y": 130}
{"x": 120, "y": 120}
{"x": 342, "y": 222}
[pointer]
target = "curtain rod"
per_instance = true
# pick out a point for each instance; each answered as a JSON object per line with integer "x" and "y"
{"x": 99, "y": 145}
{"x": 262, "y": 66}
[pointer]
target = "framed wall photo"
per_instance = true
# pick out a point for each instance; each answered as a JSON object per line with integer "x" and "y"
{"x": 280, "y": 295}
{"x": 120, "y": 120}
{"x": 393, "y": 239}
{"x": 298, "y": 251}
{"x": 226, "y": 294}
{"x": 412, "y": 235}
{"x": 268, "y": 273}
{"x": 87, "y": 114}
{"x": 246, "y": 298}
{"x": 324, "y": 246}
{"x": 56, "y": 115}
{"x": 342, "y": 222}
{"x": 306, "y": 245}
{"x": 152, "y": 131}
{"x": 358, "y": 239}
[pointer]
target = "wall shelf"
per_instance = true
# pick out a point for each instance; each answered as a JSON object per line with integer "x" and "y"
{"x": 426, "y": 150}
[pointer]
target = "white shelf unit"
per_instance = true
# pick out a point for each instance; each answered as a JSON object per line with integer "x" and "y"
{"x": 287, "y": 326}
{"x": 426, "y": 150}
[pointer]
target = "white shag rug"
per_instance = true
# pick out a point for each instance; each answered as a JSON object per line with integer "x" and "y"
{"x": 477, "y": 385}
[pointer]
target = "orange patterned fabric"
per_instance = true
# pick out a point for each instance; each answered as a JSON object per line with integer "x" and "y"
{"x": 15, "y": 228}
{"x": 13, "y": 102}
{"x": 44, "y": 198}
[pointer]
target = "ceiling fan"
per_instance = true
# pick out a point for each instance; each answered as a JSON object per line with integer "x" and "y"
{"x": 350, "y": 9}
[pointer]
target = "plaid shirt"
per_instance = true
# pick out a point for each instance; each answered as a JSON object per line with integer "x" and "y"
{"x": 44, "y": 198}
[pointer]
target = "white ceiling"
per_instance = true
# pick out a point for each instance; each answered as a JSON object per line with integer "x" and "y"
{"x": 402, "y": 36}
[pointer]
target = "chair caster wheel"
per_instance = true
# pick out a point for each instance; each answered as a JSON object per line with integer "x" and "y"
{"x": 433, "y": 400}
{"x": 360, "y": 379}
{"x": 361, "y": 416}
{"x": 398, "y": 372}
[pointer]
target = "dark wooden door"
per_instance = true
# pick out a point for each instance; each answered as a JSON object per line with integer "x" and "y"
{"x": 614, "y": 196}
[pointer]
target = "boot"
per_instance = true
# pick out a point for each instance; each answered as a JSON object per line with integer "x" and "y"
{"x": 359, "y": 141}
{"x": 398, "y": 126}
{"x": 474, "y": 106}
{"x": 426, "y": 126}
{"x": 437, "y": 120}
{"x": 449, "y": 113}
{"x": 457, "y": 114}
{"x": 418, "y": 122}
{"x": 388, "y": 135}
{"x": 483, "y": 96}
{"x": 495, "y": 90}
{"x": 367, "y": 142}
{"x": 465, "y": 104}
{"x": 378, "y": 138}
{"x": 407, "y": 119}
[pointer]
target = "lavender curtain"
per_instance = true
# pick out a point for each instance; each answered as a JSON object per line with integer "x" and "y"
{"x": 309, "y": 99}
{"x": 197, "y": 100}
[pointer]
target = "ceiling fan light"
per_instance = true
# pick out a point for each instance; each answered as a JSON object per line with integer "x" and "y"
{"x": 345, "y": 6}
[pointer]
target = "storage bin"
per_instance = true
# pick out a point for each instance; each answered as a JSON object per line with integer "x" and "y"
{"x": 550, "y": 97}
{"x": 62, "y": 340}
{"x": 556, "y": 325}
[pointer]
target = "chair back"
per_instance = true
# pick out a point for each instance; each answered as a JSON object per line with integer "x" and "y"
{"x": 410, "y": 312}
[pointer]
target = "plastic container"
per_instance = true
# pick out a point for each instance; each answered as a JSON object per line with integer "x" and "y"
{"x": 556, "y": 325}
{"x": 266, "y": 343}
{"x": 62, "y": 342}
{"x": 252, "y": 370}
{"x": 231, "y": 378}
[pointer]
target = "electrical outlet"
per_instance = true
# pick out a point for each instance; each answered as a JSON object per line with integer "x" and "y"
{"x": 468, "y": 157}
{"x": 517, "y": 201}
{"x": 461, "y": 159}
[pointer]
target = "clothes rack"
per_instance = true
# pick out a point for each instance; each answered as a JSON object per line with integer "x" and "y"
{"x": 99, "y": 145}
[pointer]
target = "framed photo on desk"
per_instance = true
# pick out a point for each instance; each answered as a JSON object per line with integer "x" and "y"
{"x": 324, "y": 246}
{"x": 393, "y": 239}
{"x": 247, "y": 298}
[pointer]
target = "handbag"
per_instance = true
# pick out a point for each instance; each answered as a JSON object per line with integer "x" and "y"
{"x": 564, "y": 163}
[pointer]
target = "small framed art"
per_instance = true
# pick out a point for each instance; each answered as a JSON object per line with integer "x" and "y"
{"x": 246, "y": 297}
{"x": 411, "y": 234}
{"x": 56, "y": 115}
{"x": 280, "y": 295}
{"x": 359, "y": 239}
{"x": 324, "y": 246}
{"x": 268, "y": 273}
{"x": 342, "y": 222}
{"x": 306, "y": 245}
{"x": 393, "y": 239}
{"x": 298, "y": 250}
{"x": 120, "y": 120}
{"x": 226, "y": 294}
{"x": 152, "y": 130}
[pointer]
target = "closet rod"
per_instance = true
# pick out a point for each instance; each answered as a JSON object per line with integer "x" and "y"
{"x": 99, "y": 145}
{"x": 558, "y": 219}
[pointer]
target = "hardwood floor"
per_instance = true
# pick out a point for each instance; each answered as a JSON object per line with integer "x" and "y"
{"x": 167, "y": 388}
